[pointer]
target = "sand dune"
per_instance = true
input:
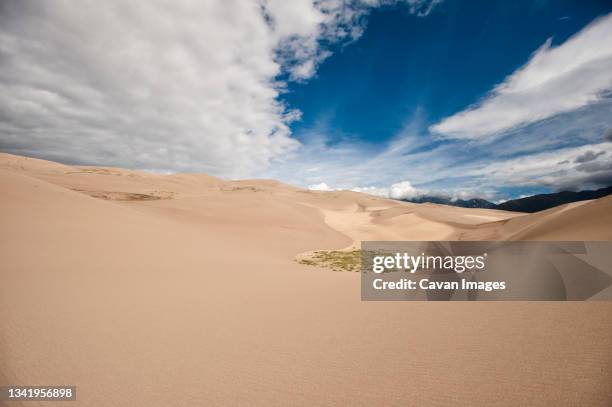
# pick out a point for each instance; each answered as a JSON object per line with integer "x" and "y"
{"x": 586, "y": 220}
{"x": 151, "y": 290}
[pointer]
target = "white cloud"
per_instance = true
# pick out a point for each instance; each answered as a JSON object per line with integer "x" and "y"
{"x": 402, "y": 190}
{"x": 300, "y": 26}
{"x": 398, "y": 190}
{"x": 186, "y": 86}
{"x": 320, "y": 187}
{"x": 384, "y": 192}
{"x": 464, "y": 169}
{"x": 405, "y": 191}
{"x": 555, "y": 80}
{"x": 559, "y": 169}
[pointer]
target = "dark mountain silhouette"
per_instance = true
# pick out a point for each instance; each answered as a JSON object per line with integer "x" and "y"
{"x": 463, "y": 203}
{"x": 529, "y": 204}
{"x": 541, "y": 202}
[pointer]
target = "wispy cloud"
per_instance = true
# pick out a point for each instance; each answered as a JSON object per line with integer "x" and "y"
{"x": 555, "y": 80}
{"x": 566, "y": 148}
{"x": 568, "y": 152}
{"x": 302, "y": 26}
{"x": 588, "y": 166}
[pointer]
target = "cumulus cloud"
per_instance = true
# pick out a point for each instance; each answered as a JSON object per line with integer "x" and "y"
{"x": 181, "y": 86}
{"x": 398, "y": 190}
{"x": 402, "y": 190}
{"x": 555, "y": 80}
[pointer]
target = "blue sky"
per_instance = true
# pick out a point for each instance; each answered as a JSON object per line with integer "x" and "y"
{"x": 399, "y": 98}
{"x": 439, "y": 64}
{"x": 414, "y": 71}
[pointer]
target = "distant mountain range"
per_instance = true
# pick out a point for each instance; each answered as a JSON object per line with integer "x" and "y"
{"x": 529, "y": 204}
{"x": 463, "y": 203}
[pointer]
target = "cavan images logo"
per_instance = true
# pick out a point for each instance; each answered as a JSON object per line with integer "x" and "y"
{"x": 486, "y": 271}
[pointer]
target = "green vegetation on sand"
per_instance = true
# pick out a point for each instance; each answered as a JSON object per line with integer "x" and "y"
{"x": 336, "y": 260}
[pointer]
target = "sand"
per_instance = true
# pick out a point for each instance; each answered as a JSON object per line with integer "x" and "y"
{"x": 153, "y": 290}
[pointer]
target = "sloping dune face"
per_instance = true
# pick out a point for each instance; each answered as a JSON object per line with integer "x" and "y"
{"x": 585, "y": 220}
{"x": 590, "y": 220}
{"x": 152, "y": 290}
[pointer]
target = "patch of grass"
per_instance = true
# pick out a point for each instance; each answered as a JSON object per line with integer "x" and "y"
{"x": 127, "y": 196}
{"x": 341, "y": 260}
{"x": 242, "y": 188}
{"x": 336, "y": 260}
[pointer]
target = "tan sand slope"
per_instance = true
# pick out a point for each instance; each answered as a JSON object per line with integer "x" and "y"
{"x": 193, "y": 297}
{"x": 589, "y": 220}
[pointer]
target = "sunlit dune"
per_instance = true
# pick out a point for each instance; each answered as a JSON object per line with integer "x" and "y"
{"x": 125, "y": 283}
